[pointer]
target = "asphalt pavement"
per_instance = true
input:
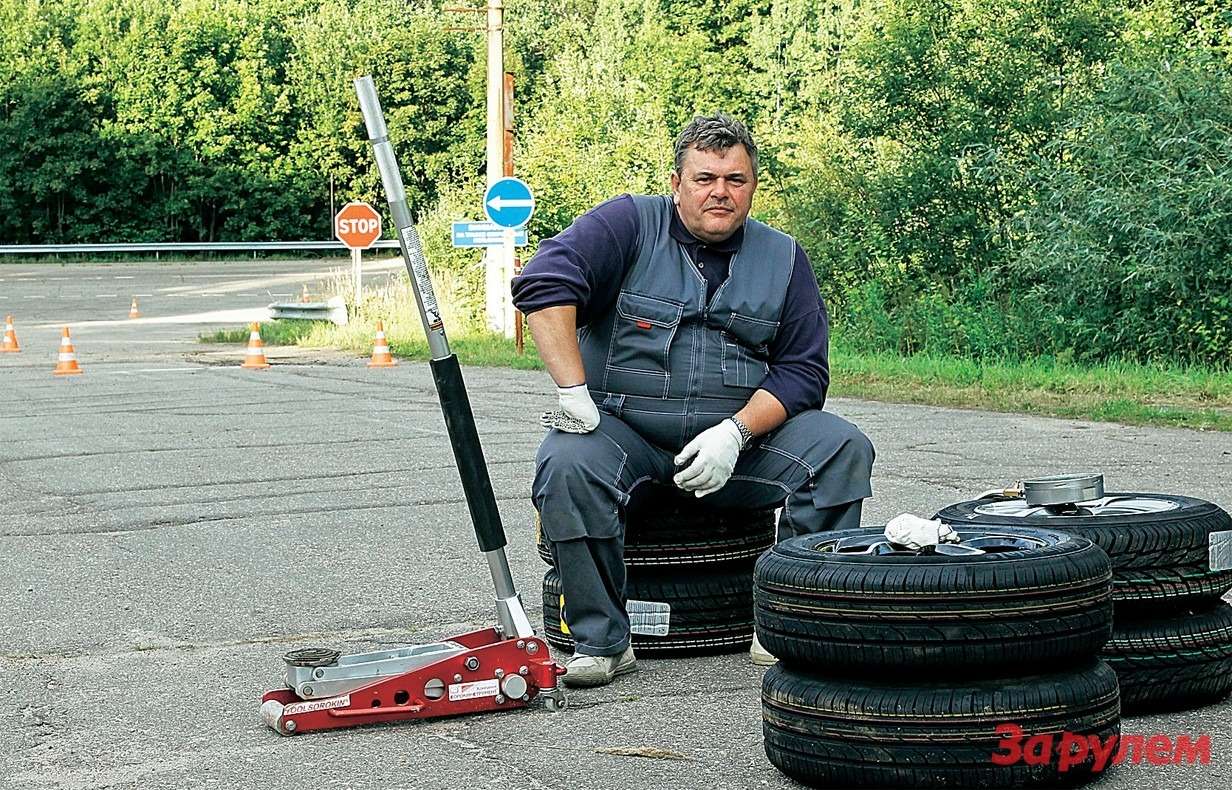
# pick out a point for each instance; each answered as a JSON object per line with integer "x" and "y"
{"x": 171, "y": 524}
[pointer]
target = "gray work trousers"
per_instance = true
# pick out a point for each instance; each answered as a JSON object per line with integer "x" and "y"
{"x": 816, "y": 465}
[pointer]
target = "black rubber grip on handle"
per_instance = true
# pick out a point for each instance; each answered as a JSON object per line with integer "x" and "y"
{"x": 467, "y": 452}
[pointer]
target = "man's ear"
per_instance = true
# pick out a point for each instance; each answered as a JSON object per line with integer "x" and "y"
{"x": 675, "y": 187}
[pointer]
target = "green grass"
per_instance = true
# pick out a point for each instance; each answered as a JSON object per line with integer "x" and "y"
{"x": 1113, "y": 392}
{"x": 482, "y": 349}
{"x": 1120, "y": 392}
{"x": 274, "y": 333}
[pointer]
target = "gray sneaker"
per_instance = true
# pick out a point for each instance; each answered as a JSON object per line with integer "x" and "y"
{"x": 598, "y": 670}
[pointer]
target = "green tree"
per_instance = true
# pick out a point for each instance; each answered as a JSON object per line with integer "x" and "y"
{"x": 1130, "y": 243}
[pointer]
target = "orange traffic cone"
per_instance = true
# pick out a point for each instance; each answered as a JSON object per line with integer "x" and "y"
{"x": 381, "y": 358}
{"x": 66, "y": 365}
{"x": 9, "y": 343}
{"x": 254, "y": 357}
{"x": 133, "y": 312}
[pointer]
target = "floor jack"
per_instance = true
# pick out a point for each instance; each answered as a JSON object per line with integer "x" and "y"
{"x": 500, "y": 668}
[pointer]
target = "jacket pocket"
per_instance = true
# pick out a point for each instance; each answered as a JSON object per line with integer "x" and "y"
{"x": 637, "y": 361}
{"x": 741, "y": 367}
{"x": 746, "y": 350}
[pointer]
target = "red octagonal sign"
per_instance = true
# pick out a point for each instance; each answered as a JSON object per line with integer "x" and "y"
{"x": 357, "y": 225}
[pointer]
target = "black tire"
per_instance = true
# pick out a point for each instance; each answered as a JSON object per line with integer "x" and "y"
{"x": 676, "y": 536}
{"x": 1160, "y": 560}
{"x": 843, "y": 733}
{"x": 1139, "y": 592}
{"x": 1173, "y": 663}
{"x": 711, "y": 612}
{"x": 965, "y": 616}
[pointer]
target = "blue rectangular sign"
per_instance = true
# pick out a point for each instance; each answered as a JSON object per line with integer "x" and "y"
{"x": 484, "y": 234}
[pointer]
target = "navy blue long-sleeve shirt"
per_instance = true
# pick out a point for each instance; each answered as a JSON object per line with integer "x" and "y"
{"x": 585, "y": 264}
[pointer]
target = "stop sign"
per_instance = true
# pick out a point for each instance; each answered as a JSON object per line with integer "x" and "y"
{"x": 357, "y": 225}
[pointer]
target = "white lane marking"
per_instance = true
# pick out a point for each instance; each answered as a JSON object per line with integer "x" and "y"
{"x": 33, "y": 296}
{"x": 148, "y": 370}
{"x": 243, "y": 315}
{"x": 125, "y": 277}
{"x": 105, "y": 296}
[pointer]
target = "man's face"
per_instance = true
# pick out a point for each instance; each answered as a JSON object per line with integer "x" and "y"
{"x": 714, "y": 191}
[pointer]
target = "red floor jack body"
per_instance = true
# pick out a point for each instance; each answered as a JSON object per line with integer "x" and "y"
{"x": 499, "y": 668}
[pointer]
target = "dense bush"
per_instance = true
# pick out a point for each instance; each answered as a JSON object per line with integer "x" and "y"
{"x": 149, "y": 120}
{"x": 1130, "y": 242}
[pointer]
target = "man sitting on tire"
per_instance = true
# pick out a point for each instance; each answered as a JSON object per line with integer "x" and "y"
{"x": 687, "y": 343}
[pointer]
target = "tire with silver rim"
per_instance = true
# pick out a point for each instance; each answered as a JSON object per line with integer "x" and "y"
{"x": 851, "y": 603}
{"x": 1167, "y": 551}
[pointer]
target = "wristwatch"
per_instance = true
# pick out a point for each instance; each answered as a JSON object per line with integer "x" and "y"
{"x": 746, "y": 436}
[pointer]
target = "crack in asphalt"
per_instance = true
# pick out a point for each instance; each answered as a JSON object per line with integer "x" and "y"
{"x": 683, "y": 694}
{"x": 266, "y": 481}
{"x": 168, "y": 523}
{"x": 197, "y": 448}
{"x": 348, "y": 635}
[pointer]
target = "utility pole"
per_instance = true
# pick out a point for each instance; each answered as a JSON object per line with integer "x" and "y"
{"x": 515, "y": 264}
{"x": 497, "y": 261}
{"x": 497, "y": 266}
{"x": 496, "y": 85}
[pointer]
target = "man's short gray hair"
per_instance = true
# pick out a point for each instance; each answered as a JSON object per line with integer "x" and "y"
{"x": 715, "y": 132}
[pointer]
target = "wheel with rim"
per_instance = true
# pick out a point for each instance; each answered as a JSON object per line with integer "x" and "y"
{"x": 1160, "y": 544}
{"x": 852, "y": 603}
{"x": 844, "y": 733}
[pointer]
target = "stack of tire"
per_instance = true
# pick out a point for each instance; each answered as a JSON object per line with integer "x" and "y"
{"x": 689, "y": 576}
{"x": 1172, "y": 643}
{"x": 902, "y": 669}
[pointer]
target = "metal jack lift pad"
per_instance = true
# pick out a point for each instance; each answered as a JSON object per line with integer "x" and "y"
{"x": 497, "y": 668}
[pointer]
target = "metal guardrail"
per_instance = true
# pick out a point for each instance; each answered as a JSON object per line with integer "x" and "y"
{"x": 186, "y": 246}
{"x": 333, "y": 310}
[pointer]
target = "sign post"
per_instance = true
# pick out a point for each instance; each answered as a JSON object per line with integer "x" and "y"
{"x": 357, "y": 225}
{"x": 510, "y": 204}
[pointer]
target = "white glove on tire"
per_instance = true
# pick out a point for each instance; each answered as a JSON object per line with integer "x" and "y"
{"x": 915, "y": 533}
{"x": 577, "y": 412}
{"x": 714, "y": 452}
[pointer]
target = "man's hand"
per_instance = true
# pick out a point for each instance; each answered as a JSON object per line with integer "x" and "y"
{"x": 714, "y": 452}
{"x": 577, "y": 412}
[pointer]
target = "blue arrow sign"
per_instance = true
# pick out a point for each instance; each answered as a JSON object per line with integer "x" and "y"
{"x": 484, "y": 234}
{"x": 509, "y": 203}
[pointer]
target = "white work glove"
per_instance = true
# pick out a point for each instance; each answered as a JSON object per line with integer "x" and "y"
{"x": 916, "y": 533}
{"x": 577, "y": 412}
{"x": 714, "y": 452}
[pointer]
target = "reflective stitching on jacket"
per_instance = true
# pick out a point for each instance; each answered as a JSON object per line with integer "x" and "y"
{"x": 771, "y": 448}
{"x": 787, "y": 490}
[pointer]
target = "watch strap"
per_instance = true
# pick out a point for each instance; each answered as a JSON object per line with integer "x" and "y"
{"x": 746, "y": 436}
